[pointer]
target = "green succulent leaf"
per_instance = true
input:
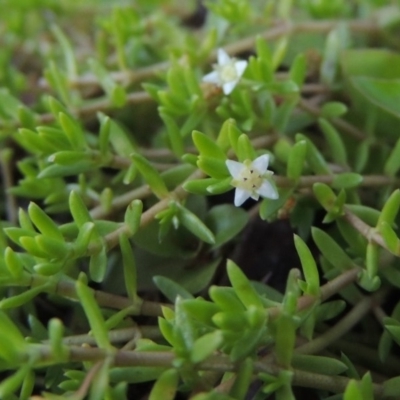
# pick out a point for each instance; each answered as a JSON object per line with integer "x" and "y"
{"x": 309, "y": 266}
{"x": 165, "y": 386}
{"x": 151, "y": 176}
{"x": 318, "y": 364}
{"x": 243, "y": 289}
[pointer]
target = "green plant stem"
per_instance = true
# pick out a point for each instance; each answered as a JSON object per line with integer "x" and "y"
{"x": 326, "y": 291}
{"x": 367, "y": 356}
{"x": 339, "y": 123}
{"x": 121, "y": 202}
{"x": 218, "y": 363}
{"x": 86, "y": 383}
{"x": 119, "y": 162}
{"x": 6, "y": 173}
{"x": 163, "y": 152}
{"x": 308, "y": 181}
{"x": 343, "y": 326}
{"x": 336, "y": 384}
{"x": 149, "y": 308}
{"x": 67, "y": 289}
{"x": 178, "y": 194}
{"x": 111, "y": 240}
{"x": 144, "y": 191}
{"x": 285, "y": 28}
{"x": 332, "y": 287}
{"x": 116, "y": 336}
{"x": 87, "y": 110}
{"x": 367, "y": 231}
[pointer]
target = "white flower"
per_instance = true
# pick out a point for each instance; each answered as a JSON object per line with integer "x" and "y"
{"x": 252, "y": 179}
{"x": 227, "y": 72}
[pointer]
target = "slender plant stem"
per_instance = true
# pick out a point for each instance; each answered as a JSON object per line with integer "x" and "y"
{"x": 339, "y": 123}
{"x": 326, "y": 291}
{"x": 116, "y": 336}
{"x": 282, "y": 28}
{"x": 144, "y": 191}
{"x": 121, "y": 201}
{"x": 336, "y": 384}
{"x": 7, "y": 175}
{"x": 308, "y": 181}
{"x": 332, "y": 287}
{"x": 85, "y": 111}
{"x": 86, "y": 383}
{"x": 218, "y": 363}
{"x": 368, "y": 232}
{"x": 67, "y": 289}
{"x": 368, "y": 356}
{"x": 148, "y": 216}
{"x": 343, "y": 326}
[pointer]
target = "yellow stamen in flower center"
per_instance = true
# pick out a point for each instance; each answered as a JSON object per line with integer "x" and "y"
{"x": 249, "y": 179}
{"x": 228, "y": 73}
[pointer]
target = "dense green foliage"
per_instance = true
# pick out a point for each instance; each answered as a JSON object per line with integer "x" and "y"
{"x": 113, "y": 149}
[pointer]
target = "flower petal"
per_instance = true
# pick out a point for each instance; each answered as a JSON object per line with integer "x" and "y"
{"x": 261, "y": 163}
{"x": 212, "y": 77}
{"x": 241, "y": 196}
{"x": 229, "y": 86}
{"x": 223, "y": 57}
{"x": 240, "y": 66}
{"x": 268, "y": 190}
{"x": 235, "y": 168}
{"x": 255, "y": 196}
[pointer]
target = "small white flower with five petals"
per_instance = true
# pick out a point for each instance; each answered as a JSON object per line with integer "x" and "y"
{"x": 227, "y": 72}
{"x": 252, "y": 179}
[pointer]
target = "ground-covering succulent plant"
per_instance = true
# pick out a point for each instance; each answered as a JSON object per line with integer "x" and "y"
{"x": 200, "y": 199}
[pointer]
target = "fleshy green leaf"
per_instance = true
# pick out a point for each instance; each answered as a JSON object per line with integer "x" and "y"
{"x": 78, "y": 209}
{"x": 333, "y": 109}
{"x": 166, "y": 386}
{"x": 226, "y": 221}
{"x": 309, "y": 266}
{"x": 56, "y": 332}
{"x": 9, "y": 385}
{"x": 171, "y": 289}
{"x": 285, "y": 340}
{"x": 353, "y": 391}
{"x": 98, "y": 264}
{"x": 129, "y": 264}
{"x": 93, "y": 313}
{"x": 213, "y": 167}
{"x": 206, "y": 345}
{"x": 334, "y": 141}
{"x": 347, "y": 180}
{"x": 296, "y": 160}
{"x": 391, "y": 387}
{"x": 115, "y": 92}
{"x": 133, "y": 215}
{"x": 242, "y": 286}
{"x": 226, "y": 298}
{"x": 193, "y": 224}
{"x": 207, "y": 147}
{"x": 151, "y": 176}
{"x": 314, "y": 157}
{"x": 318, "y": 364}
{"x": 73, "y": 131}
{"x": 331, "y": 250}
{"x": 174, "y": 134}
{"x": 384, "y": 93}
